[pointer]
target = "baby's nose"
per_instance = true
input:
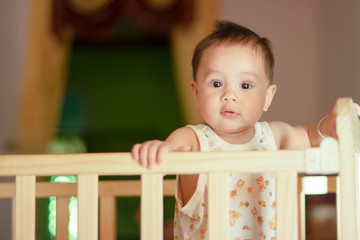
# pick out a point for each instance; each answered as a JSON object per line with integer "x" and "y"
{"x": 229, "y": 96}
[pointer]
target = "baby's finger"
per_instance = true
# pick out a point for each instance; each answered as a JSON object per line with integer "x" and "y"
{"x": 152, "y": 154}
{"x": 143, "y": 154}
{"x": 135, "y": 151}
{"x": 163, "y": 150}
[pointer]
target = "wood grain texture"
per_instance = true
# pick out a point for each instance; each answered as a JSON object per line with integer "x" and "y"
{"x": 151, "y": 206}
{"x": 174, "y": 163}
{"x": 25, "y": 208}
{"x": 286, "y": 206}
{"x": 218, "y": 206}
{"x": 88, "y": 207}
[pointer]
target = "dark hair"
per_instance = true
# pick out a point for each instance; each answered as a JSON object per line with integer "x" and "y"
{"x": 232, "y": 33}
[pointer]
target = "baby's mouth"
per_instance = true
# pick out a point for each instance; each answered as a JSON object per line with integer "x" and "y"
{"x": 229, "y": 114}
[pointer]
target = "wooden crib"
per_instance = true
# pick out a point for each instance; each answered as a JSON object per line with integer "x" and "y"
{"x": 332, "y": 157}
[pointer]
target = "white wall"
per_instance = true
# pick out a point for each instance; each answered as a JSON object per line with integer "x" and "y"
{"x": 340, "y": 49}
{"x": 315, "y": 52}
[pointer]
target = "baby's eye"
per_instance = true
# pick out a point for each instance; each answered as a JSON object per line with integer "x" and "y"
{"x": 246, "y": 86}
{"x": 216, "y": 84}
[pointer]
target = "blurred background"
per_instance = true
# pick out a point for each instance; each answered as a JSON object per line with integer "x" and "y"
{"x": 100, "y": 75}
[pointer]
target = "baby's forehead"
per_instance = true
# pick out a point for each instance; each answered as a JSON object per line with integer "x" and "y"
{"x": 251, "y": 45}
{"x": 217, "y": 51}
{"x": 247, "y": 49}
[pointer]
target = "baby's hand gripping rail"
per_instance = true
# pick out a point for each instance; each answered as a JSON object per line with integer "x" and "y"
{"x": 331, "y": 157}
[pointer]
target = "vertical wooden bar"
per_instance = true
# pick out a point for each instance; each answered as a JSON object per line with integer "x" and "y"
{"x": 301, "y": 209}
{"x": 108, "y": 211}
{"x": 286, "y": 206}
{"x": 357, "y": 190}
{"x": 25, "y": 208}
{"x": 348, "y": 130}
{"x": 62, "y": 218}
{"x": 348, "y": 206}
{"x": 151, "y": 206}
{"x": 88, "y": 206}
{"x": 218, "y": 206}
{"x": 338, "y": 209}
{"x": 302, "y": 216}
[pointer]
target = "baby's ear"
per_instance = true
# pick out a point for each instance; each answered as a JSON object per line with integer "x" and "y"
{"x": 194, "y": 89}
{"x": 270, "y": 92}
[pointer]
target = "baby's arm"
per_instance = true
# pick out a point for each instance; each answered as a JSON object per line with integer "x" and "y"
{"x": 300, "y": 137}
{"x": 153, "y": 152}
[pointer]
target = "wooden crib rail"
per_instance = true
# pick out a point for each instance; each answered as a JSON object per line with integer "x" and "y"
{"x": 285, "y": 163}
{"x": 88, "y": 166}
{"x": 176, "y": 163}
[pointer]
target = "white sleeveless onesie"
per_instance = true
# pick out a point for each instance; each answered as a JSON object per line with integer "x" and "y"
{"x": 251, "y": 196}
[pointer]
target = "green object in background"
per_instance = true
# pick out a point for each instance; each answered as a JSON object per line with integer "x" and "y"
{"x": 121, "y": 95}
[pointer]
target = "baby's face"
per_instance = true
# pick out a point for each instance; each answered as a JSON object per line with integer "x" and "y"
{"x": 232, "y": 89}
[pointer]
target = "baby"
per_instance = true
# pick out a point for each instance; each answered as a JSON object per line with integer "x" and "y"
{"x": 232, "y": 87}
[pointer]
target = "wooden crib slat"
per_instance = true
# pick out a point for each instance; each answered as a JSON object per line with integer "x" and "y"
{"x": 62, "y": 218}
{"x": 25, "y": 208}
{"x": 348, "y": 129}
{"x": 88, "y": 207}
{"x": 338, "y": 209}
{"x": 286, "y": 206}
{"x": 108, "y": 216}
{"x": 218, "y": 197}
{"x": 151, "y": 206}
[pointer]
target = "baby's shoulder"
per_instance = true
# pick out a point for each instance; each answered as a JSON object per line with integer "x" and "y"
{"x": 278, "y": 126}
{"x": 184, "y": 136}
{"x": 278, "y": 129}
{"x": 289, "y": 137}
